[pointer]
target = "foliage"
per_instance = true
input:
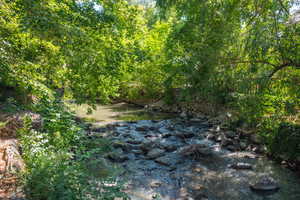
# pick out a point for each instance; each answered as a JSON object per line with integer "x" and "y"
{"x": 58, "y": 159}
{"x": 285, "y": 142}
{"x": 68, "y": 45}
{"x": 244, "y": 54}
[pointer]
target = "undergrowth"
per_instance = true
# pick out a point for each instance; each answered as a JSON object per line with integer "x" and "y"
{"x": 61, "y": 163}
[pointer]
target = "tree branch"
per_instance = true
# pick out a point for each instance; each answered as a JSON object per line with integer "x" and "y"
{"x": 277, "y": 68}
{"x": 280, "y": 67}
{"x": 252, "y": 62}
{"x": 283, "y": 7}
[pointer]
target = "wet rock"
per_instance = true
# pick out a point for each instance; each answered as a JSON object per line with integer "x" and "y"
{"x": 119, "y": 144}
{"x": 148, "y": 145}
{"x": 169, "y": 145}
{"x": 219, "y": 138}
{"x": 196, "y": 150}
{"x": 210, "y": 136}
{"x": 241, "y": 165}
{"x": 166, "y": 135}
{"x": 126, "y": 135}
{"x": 137, "y": 151}
{"x": 116, "y": 157}
{"x": 226, "y": 142}
{"x": 134, "y": 141}
{"x": 155, "y": 184}
{"x": 254, "y": 139}
{"x": 183, "y": 115}
{"x": 266, "y": 184}
{"x": 168, "y": 160}
{"x": 232, "y": 148}
{"x": 201, "y": 196}
{"x": 171, "y": 128}
{"x": 258, "y": 149}
{"x": 142, "y": 128}
{"x": 243, "y": 145}
{"x": 185, "y": 135}
{"x": 230, "y": 134}
{"x": 155, "y": 153}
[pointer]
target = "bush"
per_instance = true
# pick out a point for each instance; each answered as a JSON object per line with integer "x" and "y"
{"x": 61, "y": 162}
{"x": 285, "y": 142}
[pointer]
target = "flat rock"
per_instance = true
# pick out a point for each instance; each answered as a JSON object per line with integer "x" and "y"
{"x": 169, "y": 145}
{"x": 265, "y": 184}
{"x": 197, "y": 150}
{"x": 185, "y": 135}
{"x": 168, "y": 160}
{"x": 116, "y": 157}
{"x": 241, "y": 165}
{"x": 148, "y": 145}
{"x": 142, "y": 128}
{"x": 134, "y": 141}
{"x": 155, "y": 153}
{"x": 230, "y": 134}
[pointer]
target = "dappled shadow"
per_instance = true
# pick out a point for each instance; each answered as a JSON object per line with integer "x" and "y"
{"x": 207, "y": 177}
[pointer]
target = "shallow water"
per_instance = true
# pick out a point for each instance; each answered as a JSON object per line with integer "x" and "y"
{"x": 167, "y": 174}
{"x": 105, "y": 114}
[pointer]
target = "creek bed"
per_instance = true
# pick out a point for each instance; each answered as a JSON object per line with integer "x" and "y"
{"x": 172, "y": 159}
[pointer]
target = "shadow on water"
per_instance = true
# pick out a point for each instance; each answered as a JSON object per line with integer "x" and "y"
{"x": 172, "y": 176}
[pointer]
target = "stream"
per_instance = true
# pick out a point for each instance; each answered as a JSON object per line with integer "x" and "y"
{"x": 178, "y": 159}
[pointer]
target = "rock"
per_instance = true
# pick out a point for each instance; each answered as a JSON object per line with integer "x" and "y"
{"x": 126, "y": 135}
{"x": 254, "y": 139}
{"x": 230, "y": 134}
{"x": 137, "y": 151}
{"x": 196, "y": 150}
{"x": 201, "y": 196}
{"x": 122, "y": 145}
{"x": 185, "y": 135}
{"x": 219, "y": 138}
{"x": 134, "y": 141}
{"x": 141, "y": 128}
{"x": 153, "y": 128}
{"x": 265, "y": 184}
{"x": 169, "y": 145}
{"x": 155, "y": 153}
{"x": 226, "y": 142}
{"x": 196, "y": 120}
{"x": 166, "y": 135}
{"x": 241, "y": 166}
{"x": 155, "y": 184}
{"x": 168, "y": 160}
{"x": 243, "y": 145}
{"x": 117, "y": 156}
{"x": 171, "y": 128}
{"x": 183, "y": 115}
{"x": 147, "y": 146}
{"x": 232, "y": 148}
{"x": 210, "y": 136}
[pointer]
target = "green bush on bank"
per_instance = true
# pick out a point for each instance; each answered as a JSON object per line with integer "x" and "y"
{"x": 60, "y": 161}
